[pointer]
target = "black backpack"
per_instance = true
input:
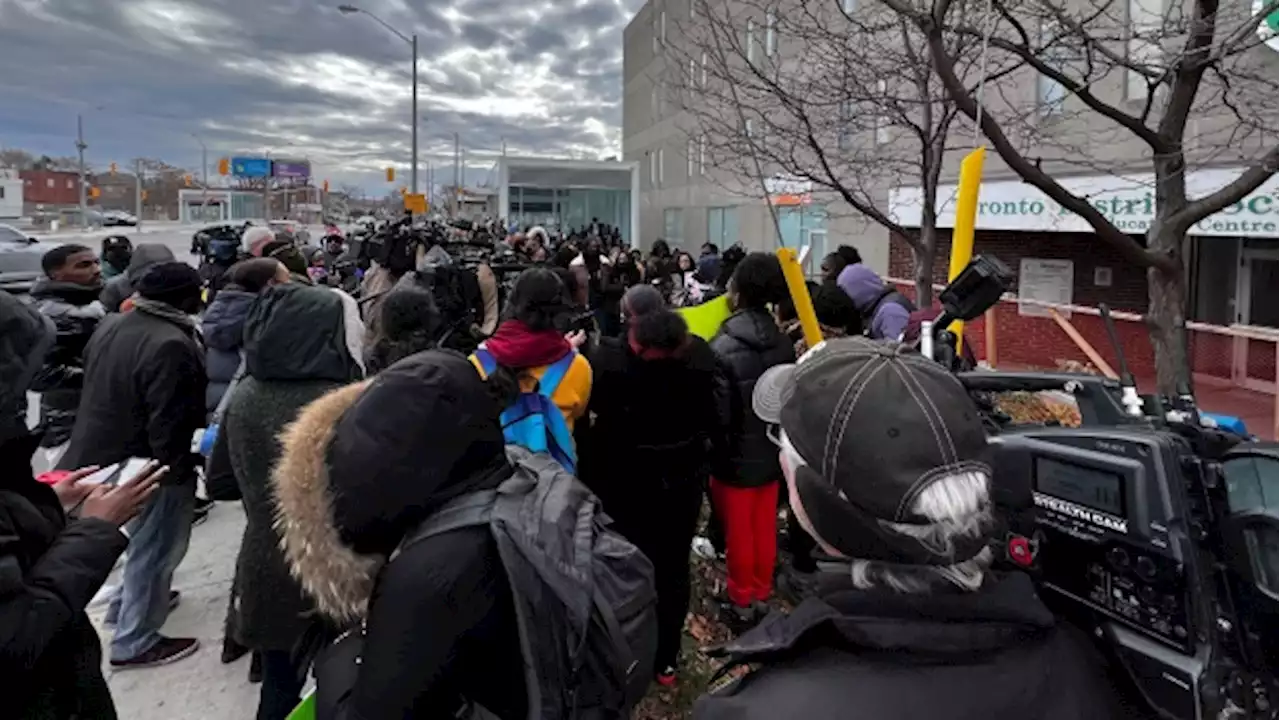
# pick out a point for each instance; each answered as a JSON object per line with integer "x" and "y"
{"x": 584, "y": 596}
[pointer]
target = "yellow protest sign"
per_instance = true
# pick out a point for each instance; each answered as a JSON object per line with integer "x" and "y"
{"x": 704, "y": 320}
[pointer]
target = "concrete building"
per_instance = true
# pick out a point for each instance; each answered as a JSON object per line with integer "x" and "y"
{"x": 10, "y": 195}
{"x": 1231, "y": 257}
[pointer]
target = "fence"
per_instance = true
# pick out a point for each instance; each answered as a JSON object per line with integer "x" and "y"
{"x": 1231, "y": 356}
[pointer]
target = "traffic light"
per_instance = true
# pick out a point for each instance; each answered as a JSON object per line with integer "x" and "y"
{"x": 144, "y": 195}
{"x": 94, "y": 193}
{"x": 326, "y": 186}
{"x": 391, "y": 174}
{"x": 224, "y": 166}
{"x": 186, "y": 180}
{"x": 113, "y": 168}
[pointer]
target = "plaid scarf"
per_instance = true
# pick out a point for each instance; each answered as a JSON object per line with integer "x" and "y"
{"x": 164, "y": 311}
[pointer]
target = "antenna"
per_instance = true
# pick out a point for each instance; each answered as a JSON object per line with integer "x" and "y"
{"x": 1128, "y": 387}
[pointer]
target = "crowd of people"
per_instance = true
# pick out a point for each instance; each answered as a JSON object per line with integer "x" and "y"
{"x": 353, "y": 440}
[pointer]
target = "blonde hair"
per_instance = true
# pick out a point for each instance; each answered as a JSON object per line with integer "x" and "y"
{"x": 958, "y": 506}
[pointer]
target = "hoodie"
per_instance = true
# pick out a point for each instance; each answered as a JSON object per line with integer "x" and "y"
{"x": 885, "y": 316}
{"x": 223, "y": 329}
{"x": 75, "y": 312}
{"x": 121, "y": 287}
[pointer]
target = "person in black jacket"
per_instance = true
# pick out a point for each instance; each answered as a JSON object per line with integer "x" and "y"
{"x": 144, "y": 398}
{"x": 50, "y": 565}
{"x": 295, "y": 350}
{"x": 745, "y": 486}
{"x": 361, "y": 467}
{"x": 884, "y": 457}
{"x": 67, "y": 295}
{"x": 654, "y": 418}
{"x": 121, "y": 287}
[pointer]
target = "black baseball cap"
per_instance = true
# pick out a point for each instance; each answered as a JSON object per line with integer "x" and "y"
{"x": 875, "y": 423}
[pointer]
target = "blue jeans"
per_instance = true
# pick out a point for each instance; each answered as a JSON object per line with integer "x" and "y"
{"x": 158, "y": 539}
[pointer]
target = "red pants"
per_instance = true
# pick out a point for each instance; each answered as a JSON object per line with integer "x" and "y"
{"x": 750, "y": 517}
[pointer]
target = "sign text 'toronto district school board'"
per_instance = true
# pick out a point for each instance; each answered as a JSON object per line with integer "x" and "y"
{"x": 1128, "y": 201}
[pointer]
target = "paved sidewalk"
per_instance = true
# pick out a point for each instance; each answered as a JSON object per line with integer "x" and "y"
{"x": 199, "y": 687}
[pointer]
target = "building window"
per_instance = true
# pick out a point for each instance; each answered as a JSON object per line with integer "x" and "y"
{"x": 845, "y": 135}
{"x": 48, "y": 182}
{"x": 693, "y": 72}
{"x": 748, "y": 127}
{"x": 702, "y": 154}
{"x": 71, "y": 184}
{"x": 848, "y": 6}
{"x": 653, "y": 169}
{"x": 656, "y": 33}
{"x": 662, "y": 175}
{"x": 722, "y": 226}
{"x": 751, "y": 40}
{"x": 662, "y": 27}
{"x": 689, "y": 158}
{"x": 770, "y": 32}
{"x": 882, "y": 121}
{"x": 1, "y": 192}
{"x": 703, "y": 78}
{"x": 1050, "y": 93}
{"x": 653, "y": 104}
{"x": 673, "y": 224}
{"x": 1146, "y": 19}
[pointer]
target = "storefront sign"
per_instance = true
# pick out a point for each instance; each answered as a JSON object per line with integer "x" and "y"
{"x": 788, "y": 190}
{"x": 250, "y": 167}
{"x": 290, "y": 169}
{"x": 1045, "y": 280}
{"x": 1127, "y": 201}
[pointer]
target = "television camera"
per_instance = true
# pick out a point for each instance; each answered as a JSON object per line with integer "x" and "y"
{"x": 1146, "y": 526}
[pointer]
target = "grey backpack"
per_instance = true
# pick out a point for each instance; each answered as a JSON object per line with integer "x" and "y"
{"x": 584, "y": 597}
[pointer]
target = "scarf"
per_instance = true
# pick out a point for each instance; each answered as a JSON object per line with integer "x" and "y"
{"x": 164, "y": 311}
{"x": 515, "y": 346}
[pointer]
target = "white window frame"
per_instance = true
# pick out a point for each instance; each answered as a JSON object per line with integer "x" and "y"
{"x": 689, "y": 158}
{"x": 703, "y": 78}
{"x": 661, "y": 167}
{"x": 1143, "y": 19}
{"x": 882, "y": 121}
{"x": 653, "y": 168}
{"x": 751, "y": 41}
{"x": 770, "y": 32}
{"x": 702, "y": 154}
{"x": 1050, "y": 94}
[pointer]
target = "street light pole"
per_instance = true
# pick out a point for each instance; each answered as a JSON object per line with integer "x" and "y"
{"x": 80, "y": 148}
{"x": 413, "y": 175}
{"x": 413, "y": 45}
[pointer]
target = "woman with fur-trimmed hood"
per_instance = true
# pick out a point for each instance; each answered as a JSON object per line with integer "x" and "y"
{"x": 360, "y": 468}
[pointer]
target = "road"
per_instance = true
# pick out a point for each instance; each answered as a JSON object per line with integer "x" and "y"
{"x": 200, "y": 686}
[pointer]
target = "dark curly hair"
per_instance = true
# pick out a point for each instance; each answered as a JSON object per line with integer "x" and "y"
{"x": 539, "y": 300}
{"x": 407, "y": 323}
{"x": 758, "y": 281}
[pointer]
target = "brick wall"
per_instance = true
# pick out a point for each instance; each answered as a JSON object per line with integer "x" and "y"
{"x": 1039, "y": 342}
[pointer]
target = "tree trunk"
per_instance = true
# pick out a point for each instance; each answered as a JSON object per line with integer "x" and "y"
{"x": 923, "y": 267}
{"x": 1166, "y": 324}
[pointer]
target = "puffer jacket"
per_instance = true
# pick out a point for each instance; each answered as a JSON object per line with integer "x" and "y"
{"x": 747, "y": 344}
{"x": 120, "y": 288}
{"x": 223, "y": 329}
{"x": 75, "y": 312}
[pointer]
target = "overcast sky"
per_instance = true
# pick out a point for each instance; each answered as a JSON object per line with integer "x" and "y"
{"x": 302, "y": 79}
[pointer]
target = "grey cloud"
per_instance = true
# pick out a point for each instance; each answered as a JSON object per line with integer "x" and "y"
{"x": 159, "y": 87}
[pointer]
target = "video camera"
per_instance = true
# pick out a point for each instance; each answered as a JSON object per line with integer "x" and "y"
{"x": 1152, "y": 531}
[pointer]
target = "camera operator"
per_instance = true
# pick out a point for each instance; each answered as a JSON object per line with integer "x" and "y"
{"x": 882, "y": 451}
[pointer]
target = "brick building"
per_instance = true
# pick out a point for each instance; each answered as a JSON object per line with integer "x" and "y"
{"x": 50, "y": 188}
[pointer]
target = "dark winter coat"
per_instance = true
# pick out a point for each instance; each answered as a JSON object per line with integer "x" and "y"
{"x": 853, "y": 654}
{"x": 75, "y": 312}
{"x": 748, "y": 343}
{"x": 25, "y": 338}
{"x": 223, "y": 330}
{"x": 360, "y": 467}
{"x": 144, "y": 384}
{"x": 652, "y": 426}
{"x": 50, "y": 568}
{"x": 120, "y": 287}
{"x": 272, "y": 611}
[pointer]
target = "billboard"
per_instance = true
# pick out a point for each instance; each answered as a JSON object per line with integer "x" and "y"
{"x": 250, "y": 167}
{"x": 291, "y": 169}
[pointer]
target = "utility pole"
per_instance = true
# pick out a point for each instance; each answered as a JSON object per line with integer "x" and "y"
{"x": 413, "y": 174}
{"x": 457, "y": 168}
{"x": 137, "y": 190}
{"x": 80, "y": 148}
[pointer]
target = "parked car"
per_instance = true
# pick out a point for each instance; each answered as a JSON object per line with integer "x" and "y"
{"x": 118, "y": 218}
{"x": 290, "y": 230}
{"x": 11, "y": 234}
{"x": 20, "y": 264}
